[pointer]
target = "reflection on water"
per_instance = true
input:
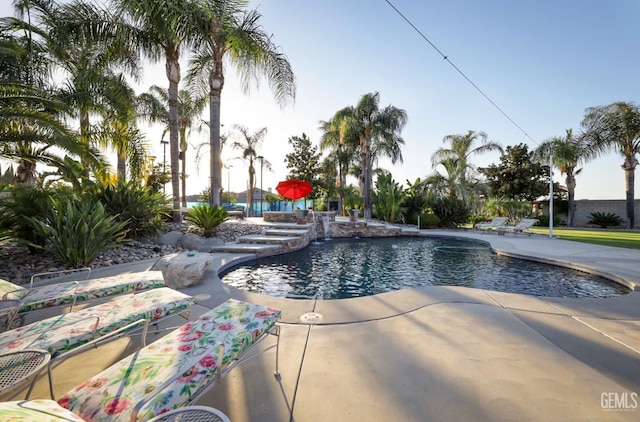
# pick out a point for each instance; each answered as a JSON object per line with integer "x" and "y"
{"x": 344, "y": 268}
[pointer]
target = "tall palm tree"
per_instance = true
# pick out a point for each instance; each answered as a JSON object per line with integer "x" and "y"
{"x": 342, "y": 146}
{"x": 616, "y": 127}
{"x": 461, "y": 148}
{"x": 378, "y": 132}
{"x": 227, "y": 31}
{"x": 154, "y": 106}
{"x": 566, "y": 153}
{"x": 249, "y": 144}
{"x": 163, "y": 29}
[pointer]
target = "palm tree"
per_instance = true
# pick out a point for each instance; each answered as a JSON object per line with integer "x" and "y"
{"x": 228, "y": 31}
{"x": 566, "y": 153}
{"x": 154, "y": 106}
{"x": 163, "y": 28}
{"x": 342, "y": 146}
{"x": 30, "y": 125}
{"x": 378, "y": 132}
{"x": 248, "y": 144}
{"x": 616, "y": 127}
{"x": 461, "y": 148}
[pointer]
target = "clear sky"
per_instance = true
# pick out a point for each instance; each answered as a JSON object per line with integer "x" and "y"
{"x": 542, "y": 62}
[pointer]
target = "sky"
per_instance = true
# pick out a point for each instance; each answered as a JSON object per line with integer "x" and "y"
{"x": 541, "y": 62}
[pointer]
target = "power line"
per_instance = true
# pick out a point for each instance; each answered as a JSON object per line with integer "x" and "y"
{"x": 444, "y": 56}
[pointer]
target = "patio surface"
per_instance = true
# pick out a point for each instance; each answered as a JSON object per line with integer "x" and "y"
{"x": 432, "y": 353}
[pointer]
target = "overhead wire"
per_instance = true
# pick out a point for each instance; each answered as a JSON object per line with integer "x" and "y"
{"x": 446, "y": 58}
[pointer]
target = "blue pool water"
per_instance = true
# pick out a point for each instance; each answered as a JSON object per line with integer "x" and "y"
{"x": 345, "y": 268}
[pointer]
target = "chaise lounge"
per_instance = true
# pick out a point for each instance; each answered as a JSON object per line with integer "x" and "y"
{"x": 494, "y": 224}
{"x": 177, "y": 369}
{"x": 68, "y": 334}
{"x": 65, "y": 293}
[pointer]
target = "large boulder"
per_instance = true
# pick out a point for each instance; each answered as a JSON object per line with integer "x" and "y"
{"x": 171, "y": 238}
{"x": 183, "y": 269}
{"x": 193, "y": 242}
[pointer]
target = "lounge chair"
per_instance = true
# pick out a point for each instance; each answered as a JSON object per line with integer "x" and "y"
{"x": 177, "y": 369}
{"x": 66, "y": 335}
{"x": 524, "y": 226}
{"x": 492, "y": 225}
{"x": 65, "y": 293}
{"x": 49, "y": 410}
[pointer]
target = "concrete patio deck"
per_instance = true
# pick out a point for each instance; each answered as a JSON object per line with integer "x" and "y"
{"x": 432, "y": 353}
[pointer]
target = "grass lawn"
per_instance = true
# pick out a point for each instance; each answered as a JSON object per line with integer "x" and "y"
{"x": 618, "y": 238}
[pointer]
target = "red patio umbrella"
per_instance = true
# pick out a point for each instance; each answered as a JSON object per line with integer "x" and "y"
{"x": 294, "y": 189}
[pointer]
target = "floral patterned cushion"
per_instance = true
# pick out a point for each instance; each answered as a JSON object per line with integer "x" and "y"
{"x": 7, "y": 287}
{"x": 188, "y": 356}
{"x": 66, "y": 332}
{"x": 36, "y": 410}
{"x": 62, "y": 293}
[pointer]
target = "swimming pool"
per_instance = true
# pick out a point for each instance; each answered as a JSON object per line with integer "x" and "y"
{"x": 345, "y": 268}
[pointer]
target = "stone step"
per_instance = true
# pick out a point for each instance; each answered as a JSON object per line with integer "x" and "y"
{"x": 410, "y": 231}
{"x": 288, "y": 226}
{"x": 258, "y": 249}
{"x": 286, "y": 232}
{"x": 261, "y": 238}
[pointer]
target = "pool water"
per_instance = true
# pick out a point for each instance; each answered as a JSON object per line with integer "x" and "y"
{"x": 346, "y": 268}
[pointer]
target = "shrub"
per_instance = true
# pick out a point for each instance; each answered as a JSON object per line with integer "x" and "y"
{"x": 387, "y": 197}
{"x": 605, "y": 220}
{"x": 452, "y": 211}
{"x": 429, "y": 220}
{"x": 543, "y": 220}
{"x": 206, "y": 217}
{"x": 141, "y": 208}
{"x": 19, "y": 204}
{"x": 77, "y": 231}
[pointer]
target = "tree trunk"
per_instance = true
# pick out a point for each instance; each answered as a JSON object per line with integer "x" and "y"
{"x": 571, "y": 193}
{"x": 122, "y": 167}
{"x": 216, "y": 82}
{"x": 250, "y": 192}
{"x": 629, "y": 168}
{"x": 366, "y": 170}
{"x": 173, "y": 74}
{"x": 183, "y": 173}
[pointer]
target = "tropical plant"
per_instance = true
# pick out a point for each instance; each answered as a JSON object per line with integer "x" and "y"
{"x": 140, "y": 208}
{"x": 616, "y": 127}
{"x": 378, "y": 131}
{"x": 605, "y": 220}
{"x": 20, "y": 205}
{"x": 566, "y": 153}
{"x": 87, "y": 57}
{"x": 414, "y": 202}
{"x": 352, "y": 199}
{"x": 227, "y": 31}
{"x": 452, "y": 211}
{"x": 78, "y": 230}
{"x": 457, "y": 155}
{"x": 154, "y": 106}
{"x": 162, "y": 29}
{"x": 342, "y": 146}
{"x": 387, "y": 198}
{"x": 206, "y": 217}
{"x": 248, "y": 143}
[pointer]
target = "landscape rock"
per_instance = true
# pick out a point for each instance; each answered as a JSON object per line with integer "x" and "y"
{"x": 183, "y": 269}
{"x": 170, "y": 238}
{"x": 193, "y": 242}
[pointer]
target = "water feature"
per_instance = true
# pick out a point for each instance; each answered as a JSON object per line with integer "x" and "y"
{"x": 347, "y": 268}
{"x": 325, "y": 226}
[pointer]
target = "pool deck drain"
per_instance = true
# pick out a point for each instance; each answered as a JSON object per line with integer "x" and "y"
{"x": 311, "y": 318}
